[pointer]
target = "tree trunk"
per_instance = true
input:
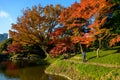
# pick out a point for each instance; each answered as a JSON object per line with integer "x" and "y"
{"x": 46, "y": 53}
{"x": 83, "y": 53}
{"x": 81, "y": 49}
{"x": 98, "y": 49}
{"x": 97, "y": 52}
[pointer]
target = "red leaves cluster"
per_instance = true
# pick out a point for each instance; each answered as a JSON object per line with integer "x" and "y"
{"x": 14, "y": 48}
{"x": 61, "y": 46}
{"x": 58, "y": 49}
{"x": 58, "y": 31}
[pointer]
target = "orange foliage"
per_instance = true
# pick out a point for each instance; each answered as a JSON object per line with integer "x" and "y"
{"x": 89, "y": 7}
{"x": 114, "y": 40}
{"x": 87, "y": 39}
{"x": 103, "y": 21}
{"x": 35, "y": 25}
{"x": 57, "y": 32}
{"x": 75, "y": 19}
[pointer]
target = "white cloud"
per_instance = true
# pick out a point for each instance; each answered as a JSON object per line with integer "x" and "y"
{"x": 5, "y": 21}
{"x": 3, "y": 14}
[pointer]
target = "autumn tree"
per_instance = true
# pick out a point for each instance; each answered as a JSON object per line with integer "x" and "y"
{"x": 77, "y": 22}
{"x": 97, "y": 27}
{"x": 100, "y": 13}
{"x": 34, "y": 26}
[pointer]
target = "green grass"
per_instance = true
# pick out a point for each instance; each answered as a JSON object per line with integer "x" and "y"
{"x": 52, "y": 60}
{"x": 106, "y": 57}
{"x": 81, "y": 71}
{"x": 62, "y": 67}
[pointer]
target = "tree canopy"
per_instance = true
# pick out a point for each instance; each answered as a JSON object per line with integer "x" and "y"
{"x": 85, "y": 24}
{"x": 35, "y": 25}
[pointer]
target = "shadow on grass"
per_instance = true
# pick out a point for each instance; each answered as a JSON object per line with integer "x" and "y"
{"x": 114, "y": 48}
{"x": 103, "y": 55}
{"x": 68, "y": 56}
{"x": 91, "y": 58}
{"x": 116, "y": 52}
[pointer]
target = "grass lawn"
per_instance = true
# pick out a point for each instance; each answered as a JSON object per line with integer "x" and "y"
{"x": 83, "y": 71}
{"x": 111, "y": 56}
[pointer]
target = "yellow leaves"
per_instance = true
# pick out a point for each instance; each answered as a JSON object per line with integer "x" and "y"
{"x": 76, "y": 31}
{"x": 98, "y": 32}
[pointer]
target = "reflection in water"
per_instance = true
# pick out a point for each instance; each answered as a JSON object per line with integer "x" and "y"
{"x": 3, "y": 77}
{"x": 21, "y": 71}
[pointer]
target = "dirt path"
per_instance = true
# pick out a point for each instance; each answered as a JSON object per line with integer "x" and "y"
{"x": 97, "y": 64}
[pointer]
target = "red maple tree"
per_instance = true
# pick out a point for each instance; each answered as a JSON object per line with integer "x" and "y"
{"x": 77, "y": 23}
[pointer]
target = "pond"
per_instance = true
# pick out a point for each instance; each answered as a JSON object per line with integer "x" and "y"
{"x": 23, "y": 71}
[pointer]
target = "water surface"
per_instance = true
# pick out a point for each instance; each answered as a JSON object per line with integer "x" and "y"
{"x": 24, "y": 71}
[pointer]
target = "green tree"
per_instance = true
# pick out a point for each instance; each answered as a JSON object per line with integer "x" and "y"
{"x": 4, "y": 44}
{"x": 113, "y": 23}
{"x": 116, "y": 1}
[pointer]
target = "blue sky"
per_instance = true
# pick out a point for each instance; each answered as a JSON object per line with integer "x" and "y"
{"x": 11, "y": 9}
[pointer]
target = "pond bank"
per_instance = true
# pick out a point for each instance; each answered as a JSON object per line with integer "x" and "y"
{"x": 81, "y": 71}
{"x": 62, "y": 69}
{"x": 58, "y": 74}
{"x": 23, "y": 71}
